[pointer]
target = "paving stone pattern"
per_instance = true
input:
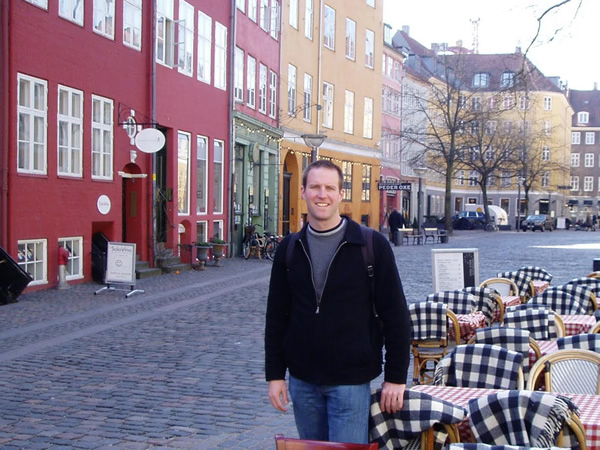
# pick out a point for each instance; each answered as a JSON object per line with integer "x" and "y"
{"x": 181, "y": 366}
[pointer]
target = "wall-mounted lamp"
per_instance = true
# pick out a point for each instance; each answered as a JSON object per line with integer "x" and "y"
{"x": 314, "y": 141}
{"x": 132, "y": 156}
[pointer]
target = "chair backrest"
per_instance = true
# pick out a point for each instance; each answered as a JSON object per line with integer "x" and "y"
{"x": 480, "y": 446}
{"x": 573, "y": 371}
{"x": 283, "y": 443}
{"x": 560, "y": 301}
{"x": 594, "y": 275}
{"x": 514, "y": 339}
{"x": 504, "y": 286}
{"x": 487, "y": 301}
{"x": 595, "y": 328}
{"x": 458, "y": 301}
{"x": 428, "y": 320}
{"x": 582, "y": 341}
{"x": 480, "y": 366}
{"x": 523, "y": 282}
{"x": 524, "y": 418}
{"x": 536, "y": 273}
{"x": 583, "y": 294}
{"x": 543, "y": 323}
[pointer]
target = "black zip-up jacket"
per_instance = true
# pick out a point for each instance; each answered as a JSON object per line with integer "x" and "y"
{"x": 341, "y": 342}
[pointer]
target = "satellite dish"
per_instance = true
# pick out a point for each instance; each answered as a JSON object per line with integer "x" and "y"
{"x": 150, "y": 140}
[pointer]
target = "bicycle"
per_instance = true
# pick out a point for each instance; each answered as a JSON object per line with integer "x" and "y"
{"x": 491, "y": 225}
{"x": 260, "y": 246}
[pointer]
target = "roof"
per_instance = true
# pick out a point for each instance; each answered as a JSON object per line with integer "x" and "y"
{"x": 588, "y": 101}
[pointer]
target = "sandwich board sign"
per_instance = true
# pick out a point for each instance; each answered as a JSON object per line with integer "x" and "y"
{"x": 455, "y": 268}
{"x": 120, "y": 268}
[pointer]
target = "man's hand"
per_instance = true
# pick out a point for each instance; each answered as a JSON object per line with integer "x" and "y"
{"x": 278, "y": 394}
{"x": 392, "y": 397}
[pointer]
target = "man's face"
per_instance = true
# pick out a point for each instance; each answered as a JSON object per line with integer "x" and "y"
{"x": 323, "y": 196}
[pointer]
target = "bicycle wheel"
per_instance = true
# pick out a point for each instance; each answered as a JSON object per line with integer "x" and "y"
{"x": 270, "y": 249}
{"x": 246, "y": 249}
{"x": 490, "y": 227}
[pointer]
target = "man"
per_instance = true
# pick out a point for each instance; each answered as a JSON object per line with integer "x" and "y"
{"x": 321, "y": 324}
{"x": 395, "y": 221}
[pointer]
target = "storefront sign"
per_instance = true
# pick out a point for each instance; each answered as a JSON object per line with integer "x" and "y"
{"x": 393, "y": 186}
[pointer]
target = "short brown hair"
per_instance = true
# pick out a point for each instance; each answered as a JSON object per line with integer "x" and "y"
{"x": 323, "y": 164}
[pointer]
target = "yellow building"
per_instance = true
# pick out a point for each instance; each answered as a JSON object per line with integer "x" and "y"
{"x": 331, "y": 87}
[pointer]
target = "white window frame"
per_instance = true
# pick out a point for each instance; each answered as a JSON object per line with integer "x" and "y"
{"x": 348, "y": 112}
{"x": 32, "y": 120}
{"x": 262, "y": 89}
{"x": 184, "y": 144}
{"x": 574, "y": 182}
{"x": 74, "y": 267}
{"x": 251, "y": 82}
{"x": 547, "y": 127}
{"x": 547, "y": 103}
{"x": 238, "y": 75}
{"x": 307, "y": 113}
{"x": 476, "y": 103}
{"x": 545, "y": 153}
{"x": 328, "y": 97}
{"x": 165, "y": 31}
{"x": 481, "y": 79}
{"x": 218, "y": 169}
{"x": 508, "y": 79}
{"x": 220, "y": 73}
{"x": 132, "y": 24}
{"x": 583, "y": 117}
{"x": 368, "y": 118}
{"x": 350, "y": 39}
{"x": 102, "y": 138}
{"x": 371, "y": 3}
{"x": 369, "y": 48}
{"x": 204, "y": 69}
{"x": 201, "y": 175}
{"x": 39, "y": 3}
{"x": 545, "y": 181}
{"x": 272, "y": 94}
{"x": 253, "y": 10}
{"x": 575, "y": 159}
{"x": 71, "y": 10}
{"x": 588, "y": 184}
{"x": 33, "y": 258}
{"x": 241, "y": 5}
{"x": 308, "y": 19}
{"x": 70, "y": 145}
{"x": 575, "y": 137}
{"x": 291, "y": 89}
{"x": 293, "y": 15}
{"x": 203, "y": 226}
{"x": 460, "y": 178}
{"x": 588, "y": 160}
{"x": 185, "y": 44}
{"x": 264, "y": 15}
{"x": 274, "y": 19}
{"x": 104, "y": 18}
{"x": 329, "y": 28}
{"x": 524, "y": 102}
{"x": 590, "y": 138}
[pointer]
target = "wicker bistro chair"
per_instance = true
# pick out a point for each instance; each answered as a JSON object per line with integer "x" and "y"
{"x": 480, "y": 366}
{"x": 523, "y": 282}
{"x": 480, "y": 446}
{"x": 582, "y": 293}
{"x": 594, "y": 285}
{"x": 458, "y": 301}
{"x": 536, "y": 273}
{"x": 504, "y": 286}
{"x": 560, "y": 301}
{"x": 595, "y": 329}
{"x": 429, "y": 337}
{"x": 488, "y": 302}
{"x": 423, "y": 421}
{"x": 542, "y": 323}
{"x": 283, "y": 443}
{"x": 573, "y": 371}
{"x": 526, "y": 418}
{"x": 580, "y": 341}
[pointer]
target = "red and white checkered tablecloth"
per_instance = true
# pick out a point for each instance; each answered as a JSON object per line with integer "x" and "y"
{"x": 589, "y": 413}
{"x": 577, "y": 323}
{"x": 467, "y": 323}
{"x": 546, "y": 347}
{"x": 507, "y": 300}
{"x": 540, "y": 286}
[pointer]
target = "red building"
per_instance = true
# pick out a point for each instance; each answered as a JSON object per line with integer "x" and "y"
{"x": 79, "y": 82}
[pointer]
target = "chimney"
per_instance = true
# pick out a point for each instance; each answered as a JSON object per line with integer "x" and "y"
{"x": 518, "y": 50}
{"x": 435, "y": 47}
{"x": 459, "y": 43}
{"x": 595, "y": 85}
{"x": 406, "y": 29}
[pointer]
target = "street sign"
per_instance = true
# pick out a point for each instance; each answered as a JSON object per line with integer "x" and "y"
{"x": 395, "y": 186}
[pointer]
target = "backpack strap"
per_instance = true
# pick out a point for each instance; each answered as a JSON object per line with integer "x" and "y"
{"x": 369, "y": 260}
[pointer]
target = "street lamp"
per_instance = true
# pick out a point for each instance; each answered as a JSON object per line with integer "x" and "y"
{"x": 519, "y": 183}
{"x": 314, "y": 141}
{"x": 420, "y": 172}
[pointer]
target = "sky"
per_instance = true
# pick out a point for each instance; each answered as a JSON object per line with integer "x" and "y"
{"x": 568, "y": 45}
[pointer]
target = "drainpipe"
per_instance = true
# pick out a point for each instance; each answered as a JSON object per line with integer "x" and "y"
{"x": 232, "y": 40}
{"x": 319, "y": 81}
{"x": 153, "y": 118}
{"x": 4, "y": 107}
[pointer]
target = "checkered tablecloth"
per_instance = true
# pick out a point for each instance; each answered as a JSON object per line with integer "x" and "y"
{"x": 589, "y": 405}
{"x": 578, "y": 323}
{"x": 540, "y": 286}
{"x": 467, "y": 323}
{"x": 546, "y": 347}
{"x": 507, "y": 300}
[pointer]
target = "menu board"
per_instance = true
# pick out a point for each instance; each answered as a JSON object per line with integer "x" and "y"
{"x": 120, "y": 263}
{"x": 455, "y": 268}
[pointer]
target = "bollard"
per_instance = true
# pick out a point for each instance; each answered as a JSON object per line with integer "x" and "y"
{"x": 63, "y": 259}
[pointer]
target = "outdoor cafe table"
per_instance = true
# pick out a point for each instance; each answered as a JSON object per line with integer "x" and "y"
{"x": 577, "y": 323}
{"x": 467, "y": 323}
{"x": 507, "y": 300}
{"x": 546, "y": 347}
{"x": 588, "y": 405}
{"x": 540, "y": 286}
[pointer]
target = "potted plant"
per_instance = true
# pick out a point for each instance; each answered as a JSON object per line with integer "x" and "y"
{"x": 202, "y": 253}
{"x": 218, "y": 249}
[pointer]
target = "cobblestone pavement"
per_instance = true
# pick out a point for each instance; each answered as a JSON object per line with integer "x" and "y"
{"x": 181, "y": 366}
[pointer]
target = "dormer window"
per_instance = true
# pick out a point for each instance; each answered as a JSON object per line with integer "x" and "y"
{"x": 481, "y": 79}
{"x": 583, "y": 117}
{"x": 508, "y": 79}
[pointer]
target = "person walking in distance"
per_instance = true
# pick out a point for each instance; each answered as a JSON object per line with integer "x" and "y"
{"x": 321, "y": 322}
{"x": 395, "y": 221}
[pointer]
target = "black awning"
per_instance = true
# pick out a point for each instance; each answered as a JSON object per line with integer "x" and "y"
{"x": 588, "y": 202}
{"x": 573, "y": 202}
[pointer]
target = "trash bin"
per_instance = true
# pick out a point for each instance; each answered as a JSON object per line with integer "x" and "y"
{"x": 444, "y": 238}
{"x": 13, "y": 279}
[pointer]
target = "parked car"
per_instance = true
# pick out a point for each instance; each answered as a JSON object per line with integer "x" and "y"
{"x": 468, "y": 220}
{"x": 540, "y": 222}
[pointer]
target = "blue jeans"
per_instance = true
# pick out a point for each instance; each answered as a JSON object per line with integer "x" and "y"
{"x": 331, "y": 413}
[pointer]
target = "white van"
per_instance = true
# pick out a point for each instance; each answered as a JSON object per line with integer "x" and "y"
{"x": 497, "y": 214}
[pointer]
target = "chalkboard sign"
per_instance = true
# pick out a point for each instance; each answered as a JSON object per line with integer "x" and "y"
{"x": 455, "y": 268}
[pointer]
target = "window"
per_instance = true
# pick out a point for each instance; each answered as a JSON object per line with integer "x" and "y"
{"x": 548, "y": 103}
{"x": 262, "y": 89}
{"x": 252, "y": 10}
{"x": 204, "y": 47}
{"x": 308, "y": 19}
{"x": 241, "y": 5}
{"x": 575, "y": 137}
{"x": 164, "y": 32}
{"x": 588, "y": 184}
{"x": 291, "y": 90}
{"x": 307, "y": 97}
{"x": 588, "y": 160}
{"x": 545, "y": 153}
{"x": 329, "y": 28}
{"x": 368, "y": 118}
{"x": 397, "y": 71}
{"x": 475, "y": 127}
{"x": 272, "y": 94}
{"x": 525, "y": 128}
{"x": 31, "y": 131}
{"x": 490, "y": 127}
{"x": 371, "y": 3}
{"x": 365, "y": 195}
{"x": 104, "y": 18}
{"x": 102, "y": 138}
{"x": 524, "y": 102}
{"x": 185, "y": 46}
{"x": 218, "y": 177}
{"x": 251, "y": 82}
{"x": 183, "y": 173}
{"x": 201, "y": 175}
{"x": 238, "y": 75}
{"x": 508, "y": 79}
{"x": 508, "y": 102}
{"x": 476, "y": 103}
{"x": 547, "y": 127}
{"x": 472, "y": 178}
{"x": 574, "y": 183}
{"x": 201, "y": 231}
{"x": 274, "y": 18}
{"x": 220, "y": 56}
{"x": 264, "y": 14}
{"x": 460, "y": 178}
{"x": 507, "y": 127}
{"x": 574, "y": 159}
{"x": 350, "y": 39}
{"x": 481, "y": 79}
{"x": 349, "y": 112}
{"x": 132, "y": 23}
{"x": 583, "y": 117}
{"x": 218, "y": 229}
{"x": 590, "y": 138}
{"x": 41, "y": 3}
{"x": 327, "y": 105}
{"x": 70, "y": 131}
{"x": 369, "y": 48}
{"x": 71, "y": 10}
{"x": 506, "y": 179}
{"x": 347, "y": 180}
{"x": 545, "y": 179}
{"x": 32, "y": 259}
{"x": 74, "y": 267}
{"x": 294, "y": 13}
